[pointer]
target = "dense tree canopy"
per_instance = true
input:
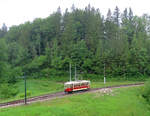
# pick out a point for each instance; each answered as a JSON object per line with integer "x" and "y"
{"x": 83, "y": 37}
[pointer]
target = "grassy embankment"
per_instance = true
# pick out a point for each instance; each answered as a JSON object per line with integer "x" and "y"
{"x": 37, "y": 87}
{"x": 121, "y": 102}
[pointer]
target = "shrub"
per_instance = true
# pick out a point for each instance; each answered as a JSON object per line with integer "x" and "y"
{"x": 45, "y": 84}
{"x": 145, "y": 91}
{"x": 7, "y": 91}
{"x": 21, "y": 95}
{"x": 47, "y": 72}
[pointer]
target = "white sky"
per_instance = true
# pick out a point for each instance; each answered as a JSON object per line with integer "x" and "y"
{"x": 14, "y": 12}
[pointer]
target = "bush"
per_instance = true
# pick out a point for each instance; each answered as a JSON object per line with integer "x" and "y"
{"x": 36, "y": 65}
{"x": 21, "y": 95}
{"x": 45, "y": 84}
{"x": 7, "y": 91}
{"x": 47, "y": 72}
{"x": 145, "y": 91}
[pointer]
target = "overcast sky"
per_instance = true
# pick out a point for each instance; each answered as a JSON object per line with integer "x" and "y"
{"x": 14, "y": 12}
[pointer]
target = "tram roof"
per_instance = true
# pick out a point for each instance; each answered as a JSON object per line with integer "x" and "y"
{"x": 76, "y": 82}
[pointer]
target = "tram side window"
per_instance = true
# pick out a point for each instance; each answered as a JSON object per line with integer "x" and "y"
{"x": 65, "y": 86}
{"x": 83, "y": 84}
{"x": 69, "y": 86}
{"x": 77, "y": 85}
{"x": 86, "y": 83}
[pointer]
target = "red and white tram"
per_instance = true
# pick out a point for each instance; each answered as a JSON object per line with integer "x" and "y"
{"x": 76, "y": 85}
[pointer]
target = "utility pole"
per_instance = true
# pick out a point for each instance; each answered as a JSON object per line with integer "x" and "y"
{"x": 104, "y": 74}
{"x": 70, "y": 71}
{"x": 75, "y": 73}
{"x": 25, "y": 96}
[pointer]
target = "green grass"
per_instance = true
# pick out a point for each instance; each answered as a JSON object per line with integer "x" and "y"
{"x": 37, "y": 87}
{"x": 113, "y": 83}
{"x": 123, "y": 102}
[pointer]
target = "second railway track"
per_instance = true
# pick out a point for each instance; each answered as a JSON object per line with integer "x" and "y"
{"x": 58, "y": 94}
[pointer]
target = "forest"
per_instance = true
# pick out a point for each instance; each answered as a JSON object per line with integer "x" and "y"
{"x": 43, "y": 48}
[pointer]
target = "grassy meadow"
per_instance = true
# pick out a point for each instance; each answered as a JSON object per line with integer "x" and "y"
{"x": 37, "y": 87}
{"x": 121, "y": 102}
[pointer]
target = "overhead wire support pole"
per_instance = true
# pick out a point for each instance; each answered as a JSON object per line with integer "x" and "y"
{"x": 75, "y": 73}
{"x": 70, "y": 71}
{"x": 104, "y": 74}
{"x": 25, "y": 96}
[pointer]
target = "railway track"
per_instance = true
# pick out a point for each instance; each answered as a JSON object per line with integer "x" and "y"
{"x": 58, "y": 95}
